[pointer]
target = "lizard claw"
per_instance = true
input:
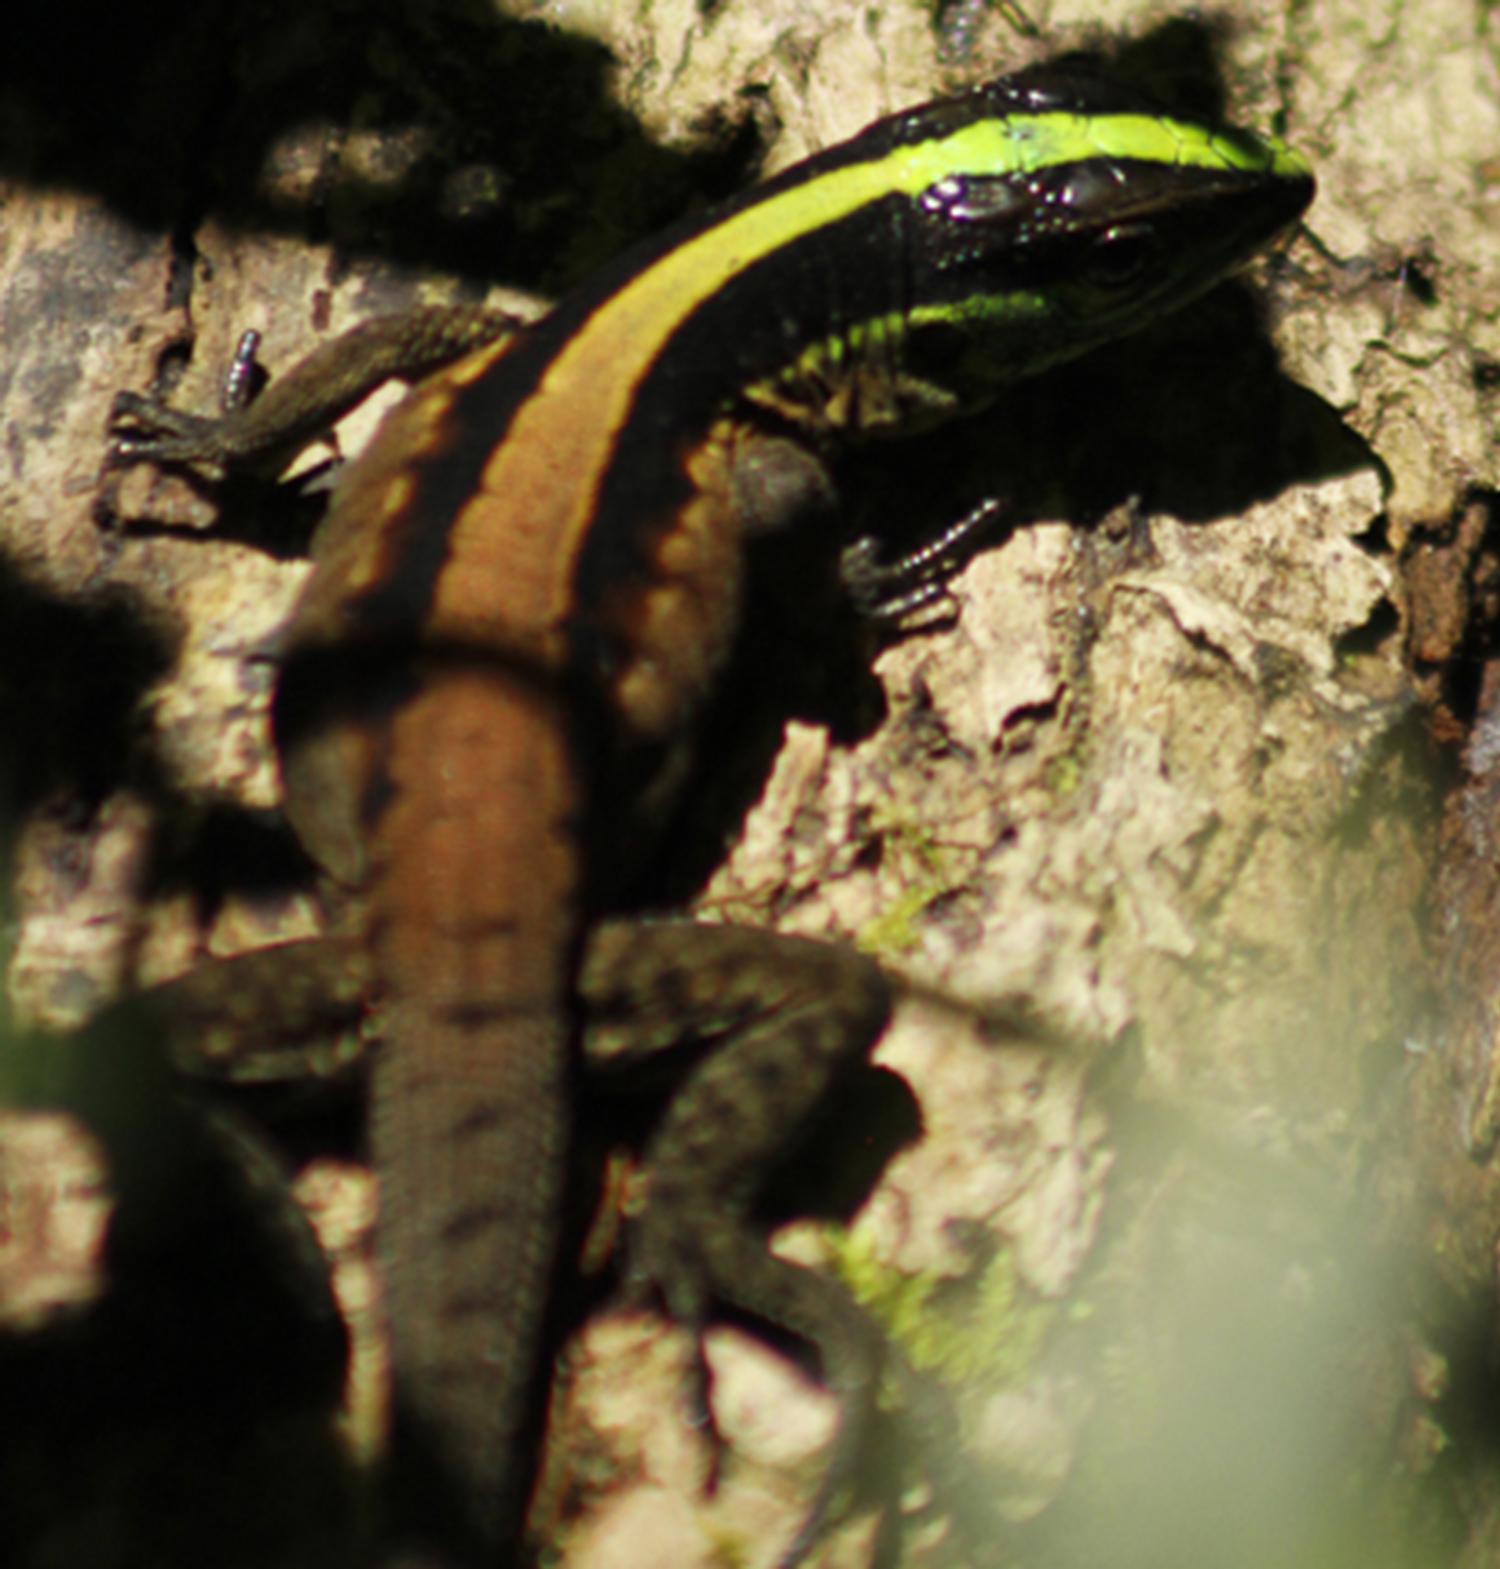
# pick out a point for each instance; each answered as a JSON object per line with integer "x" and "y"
{"x": 142, "y": 430}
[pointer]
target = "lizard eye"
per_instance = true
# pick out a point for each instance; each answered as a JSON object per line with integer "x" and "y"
{"x": 1120, "y": 255}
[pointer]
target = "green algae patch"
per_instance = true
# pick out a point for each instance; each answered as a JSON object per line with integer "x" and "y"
{"x": 988, "y": 1328}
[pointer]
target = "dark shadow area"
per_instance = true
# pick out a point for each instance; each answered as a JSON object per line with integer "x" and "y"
{"x": 459, "y": 140}
{"x": 223, "y": 850}
{"x": 186, "y": 1416}
{"x": 71, "y": 678}
{"x": 278, "y": 518}
{"x": 197, "y": 1216}
{"x": 1177, "y": 63}
{"x": 1191, "y": 417}
{"x": 1469, "y": 1414}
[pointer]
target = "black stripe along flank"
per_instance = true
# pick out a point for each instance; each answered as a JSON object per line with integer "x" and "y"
{"x": 476, "y": 422}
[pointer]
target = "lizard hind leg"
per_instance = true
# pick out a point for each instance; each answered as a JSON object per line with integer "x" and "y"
{"x": 779, "y": 1022}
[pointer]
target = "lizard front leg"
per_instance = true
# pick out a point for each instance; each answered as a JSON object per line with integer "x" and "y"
{"x": 262, "y": 435}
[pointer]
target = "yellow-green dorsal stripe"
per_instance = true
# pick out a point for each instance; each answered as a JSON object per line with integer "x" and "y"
{"x": 1040, "y": 141}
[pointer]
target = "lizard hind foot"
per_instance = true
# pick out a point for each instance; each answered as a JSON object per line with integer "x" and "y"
{"x": 733, "y": 1268}
{"x": 695, "y": 1256}
{"x": 852, "y": 1358}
